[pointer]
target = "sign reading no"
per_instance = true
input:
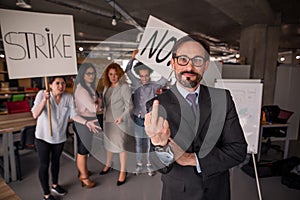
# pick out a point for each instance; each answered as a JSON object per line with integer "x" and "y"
{"x": 156, "y": 45}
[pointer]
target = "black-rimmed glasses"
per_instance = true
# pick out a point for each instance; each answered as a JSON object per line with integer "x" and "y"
{"x": 183, "y": 60}
{"x": 90, "y": 73}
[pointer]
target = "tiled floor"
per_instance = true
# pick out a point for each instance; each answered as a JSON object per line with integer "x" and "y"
{"x": 140, "y": 187}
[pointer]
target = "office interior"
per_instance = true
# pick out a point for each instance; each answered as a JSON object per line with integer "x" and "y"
{"x": 248, "y": 40}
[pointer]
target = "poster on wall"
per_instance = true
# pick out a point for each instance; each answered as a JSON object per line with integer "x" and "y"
{"x": 247, "y": 96}
{"x": 38, "y": 44}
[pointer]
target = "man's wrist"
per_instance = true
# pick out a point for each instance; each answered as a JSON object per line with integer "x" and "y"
{"x": 165, "y": 154}
{"x": 160, "y": 148}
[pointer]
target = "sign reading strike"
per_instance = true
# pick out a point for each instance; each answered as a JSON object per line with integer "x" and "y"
{"x": 156, "y": 45}
{"x": 37, "y": 44}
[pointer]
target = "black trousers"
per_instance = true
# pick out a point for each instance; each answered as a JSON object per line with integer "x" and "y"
{"x": 48, "y": 152}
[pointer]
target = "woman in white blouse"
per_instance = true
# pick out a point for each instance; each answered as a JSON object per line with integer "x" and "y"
{"x": 50, "y": 147}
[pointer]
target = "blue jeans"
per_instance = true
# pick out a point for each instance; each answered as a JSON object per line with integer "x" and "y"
{"x": 141, "y": 137}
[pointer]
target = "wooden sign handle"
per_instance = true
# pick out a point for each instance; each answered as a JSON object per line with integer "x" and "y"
{"x": 48, "y": 107}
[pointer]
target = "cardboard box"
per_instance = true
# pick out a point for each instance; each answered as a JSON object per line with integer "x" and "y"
{"x": 1, "y": 65}
{"x": 5, "y": 86}
{"x": 2, "y": 77}
{"x": 26, "y": 83}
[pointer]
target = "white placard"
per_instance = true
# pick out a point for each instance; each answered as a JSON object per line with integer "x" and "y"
{"x": 156, "y": 45}
{"x": 38, "y": 44}
{"x": 247, "y": 96}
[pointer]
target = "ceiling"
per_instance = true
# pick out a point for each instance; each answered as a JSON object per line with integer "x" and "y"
{"x": 218, "y": 21}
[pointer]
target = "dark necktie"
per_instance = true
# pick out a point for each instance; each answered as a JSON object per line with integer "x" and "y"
{"x": 192, "y": 98}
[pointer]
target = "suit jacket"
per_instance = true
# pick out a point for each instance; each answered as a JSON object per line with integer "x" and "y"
{"x": 121, "y": 105}
{"x": 214, "y": 135}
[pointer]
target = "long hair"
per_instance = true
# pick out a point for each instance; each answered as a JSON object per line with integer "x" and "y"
{"x": 80, "y": 78}
{"x": 120, "y": 72}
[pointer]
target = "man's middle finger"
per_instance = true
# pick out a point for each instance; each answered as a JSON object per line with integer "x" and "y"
{"x": 154, "y": 112}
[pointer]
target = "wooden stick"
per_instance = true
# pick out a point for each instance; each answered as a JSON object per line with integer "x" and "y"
{"x": 48, "y": 107}
{"x": 256, "y": 177}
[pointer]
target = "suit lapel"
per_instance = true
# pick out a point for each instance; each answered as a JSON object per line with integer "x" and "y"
{"x": 104, "y": 93}
{"x": 204, "y": 109}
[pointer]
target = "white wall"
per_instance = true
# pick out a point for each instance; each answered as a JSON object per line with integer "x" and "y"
{"x": 287, "y": 95}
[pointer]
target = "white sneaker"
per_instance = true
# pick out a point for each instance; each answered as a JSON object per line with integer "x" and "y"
{"x": 138, "y": 169}
{"x": 150, "y": 170}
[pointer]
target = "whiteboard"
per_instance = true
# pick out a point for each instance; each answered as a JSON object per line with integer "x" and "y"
{"x": 247, "y": 96}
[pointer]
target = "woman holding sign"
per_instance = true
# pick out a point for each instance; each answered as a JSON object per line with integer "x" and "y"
{"x": 50, "y": 147}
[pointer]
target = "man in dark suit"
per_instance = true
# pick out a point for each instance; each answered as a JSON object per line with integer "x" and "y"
{"x": 194, "y": 130}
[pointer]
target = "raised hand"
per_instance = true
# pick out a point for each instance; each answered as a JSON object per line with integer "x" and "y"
{"x": 46, "y": 94}
{"x": 134, "y": 53}
{"x": 157, "y": 128}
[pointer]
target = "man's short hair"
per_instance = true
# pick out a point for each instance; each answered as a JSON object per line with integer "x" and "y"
{"x": 140, "y": 66}
{"x": 189, "y": 38}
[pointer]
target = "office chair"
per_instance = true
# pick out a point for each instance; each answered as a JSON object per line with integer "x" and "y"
{"x": 27, "y": 138}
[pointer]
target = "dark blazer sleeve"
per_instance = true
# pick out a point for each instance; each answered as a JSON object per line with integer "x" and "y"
{"x": 231, "y": 148}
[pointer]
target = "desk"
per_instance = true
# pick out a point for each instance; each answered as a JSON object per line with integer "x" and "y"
{"x": 9, "y": 124}
{"x": 287, "y": 141}
{"x": 6, "y": 192}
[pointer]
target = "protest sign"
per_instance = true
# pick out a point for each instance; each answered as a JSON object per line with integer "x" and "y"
{"x": 38, "y": 44}
{"x": 156, "y": 45}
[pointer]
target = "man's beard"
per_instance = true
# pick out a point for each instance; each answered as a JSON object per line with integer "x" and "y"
{"x": 188, "y": 82}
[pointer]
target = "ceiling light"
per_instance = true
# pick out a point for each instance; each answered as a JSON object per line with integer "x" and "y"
{"x": 80, "y": 48}
{"x": 81, "y": 34}
{"x": 282, "y": 59}
{"x": 298, "y": 57}
{"x": 237, "y": 55}
{"x": 114, "y": 19}
{"x": 23, "y": 4}
{"x": 2, "y": 55}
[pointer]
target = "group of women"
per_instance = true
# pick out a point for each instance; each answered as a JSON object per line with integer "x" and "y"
{"x": 82, "y": 109}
